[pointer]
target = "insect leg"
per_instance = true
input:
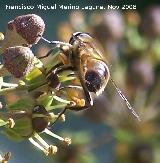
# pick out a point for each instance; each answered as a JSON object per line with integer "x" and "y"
{"x": 60, "y": 69}
{"x": 74, "y": 107}
{"x": 57, "y": 44}
{"x": 88, "y": 97}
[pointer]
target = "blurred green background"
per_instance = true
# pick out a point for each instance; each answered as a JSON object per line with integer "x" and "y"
{"x": 108, "y": 132}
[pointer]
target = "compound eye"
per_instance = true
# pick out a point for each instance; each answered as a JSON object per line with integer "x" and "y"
{"x": 93, "y": 81}
{"x": 84, "y": 37}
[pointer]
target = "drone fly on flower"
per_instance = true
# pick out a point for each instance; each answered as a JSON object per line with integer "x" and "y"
{"x": 84, "y": 58}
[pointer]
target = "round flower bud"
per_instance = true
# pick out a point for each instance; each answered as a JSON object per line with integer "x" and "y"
{"x": 23, "y": 31}
{"x": 18, "y": 60}
{"x": 28, "y": 26}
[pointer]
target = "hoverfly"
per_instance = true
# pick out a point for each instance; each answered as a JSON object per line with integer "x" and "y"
{"x": 83, "y": 57}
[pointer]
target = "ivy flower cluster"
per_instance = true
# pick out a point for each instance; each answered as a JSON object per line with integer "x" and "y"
{"x": 33, "y": 113}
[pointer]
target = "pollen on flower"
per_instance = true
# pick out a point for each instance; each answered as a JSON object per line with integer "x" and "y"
{"x": 51, "y": 150}
{"x": 62, "y": 118}
{"x": 67, "y": 141}
{"x": 46, "y": 152}
{"x": 79, "y": 102}
{"x": 10, "y": 123}
{"x": 72, "y": 103}
{"x": 82, "y": 102}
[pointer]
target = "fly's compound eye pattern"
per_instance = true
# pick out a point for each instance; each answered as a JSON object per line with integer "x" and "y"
{"x": 83, "y": 37}
{"x": 96, "y": 76}
{"x": 93, "y": 81}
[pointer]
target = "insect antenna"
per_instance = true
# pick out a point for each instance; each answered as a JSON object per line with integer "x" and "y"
{"x": 56, "y": 43}
{"x": 123, "y": 97}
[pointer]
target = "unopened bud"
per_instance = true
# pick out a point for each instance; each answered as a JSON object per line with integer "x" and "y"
{"x": 18, "y": 60}
{"x": 30, "y": 27}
